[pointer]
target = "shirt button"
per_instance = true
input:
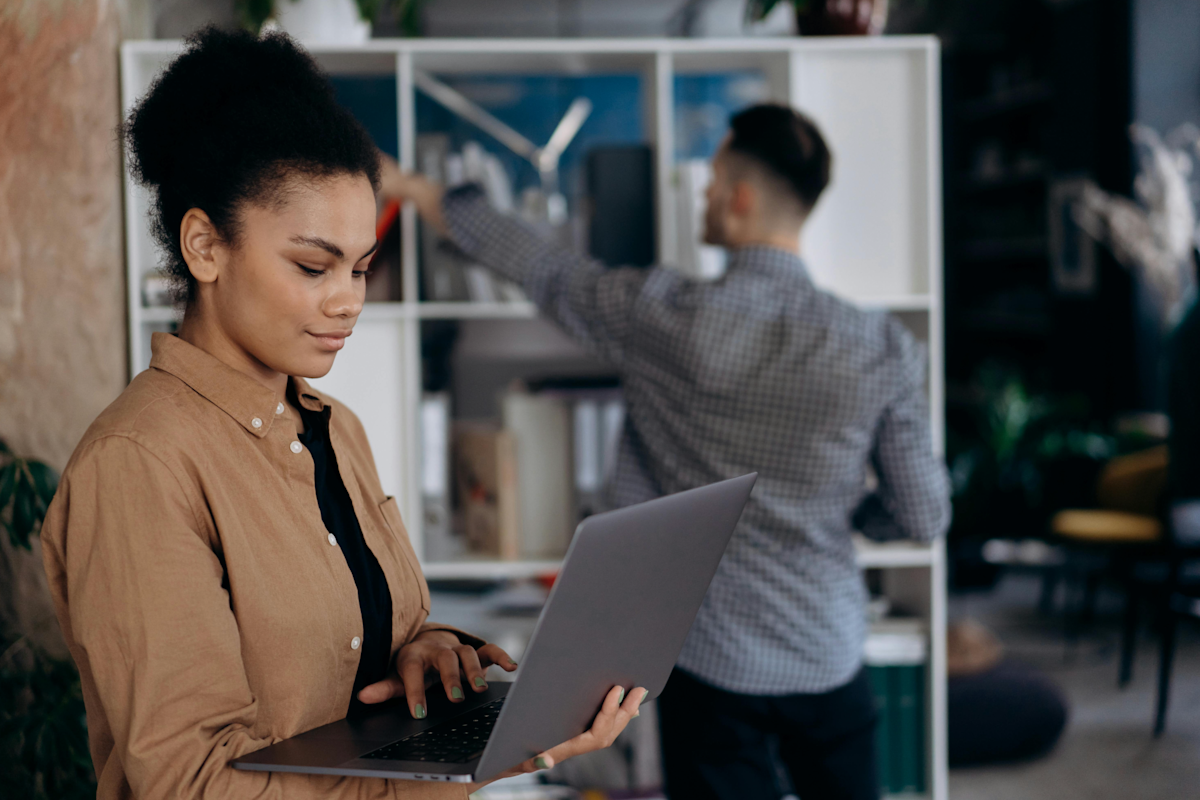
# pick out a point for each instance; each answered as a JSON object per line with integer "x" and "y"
{"x": 279, "y": 409}
{"x": 256, "y": 422}
{"x": 355, "y": 642}
{"x": 332, "y": 540}
{"x": 297, "y": 447}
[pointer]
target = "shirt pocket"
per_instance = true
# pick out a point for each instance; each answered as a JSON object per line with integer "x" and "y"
{"x": 391, "y": 515}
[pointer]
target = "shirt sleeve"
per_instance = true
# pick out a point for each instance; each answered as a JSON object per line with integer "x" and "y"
{"x": 912, "y": 499}
{"x": 591, "y": 302}
{"x": 148, "y": 608}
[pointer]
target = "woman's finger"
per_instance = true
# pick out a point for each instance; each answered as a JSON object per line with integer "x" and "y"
{"x": 471, "y": 667}
{"x": 491, "y": 654}
{"x": 449, "y": 668}
{"x": 386, "y": 689}
{"x": 412, "y": 674}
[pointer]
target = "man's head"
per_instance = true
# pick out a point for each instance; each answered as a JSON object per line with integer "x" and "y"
{"x": 767, "y": 176}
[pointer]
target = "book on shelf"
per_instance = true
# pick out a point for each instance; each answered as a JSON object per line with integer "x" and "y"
{"x": 896, "y": 655}
{"x": 485, "y": 477}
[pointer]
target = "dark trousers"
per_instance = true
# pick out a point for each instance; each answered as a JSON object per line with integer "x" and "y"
{"x": 719, "y": 745}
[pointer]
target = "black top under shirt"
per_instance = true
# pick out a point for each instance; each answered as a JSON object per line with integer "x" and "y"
{"x": 337, "y": 512}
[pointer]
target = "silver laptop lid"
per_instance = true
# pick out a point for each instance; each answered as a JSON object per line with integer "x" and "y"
{"x": 628, "y": 592}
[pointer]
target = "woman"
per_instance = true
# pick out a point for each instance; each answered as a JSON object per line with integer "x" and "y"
{"x": 225, "y": 565}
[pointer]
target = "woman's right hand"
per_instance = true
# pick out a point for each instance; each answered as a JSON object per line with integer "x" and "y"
{"x": 396, "y": 184}
{"x": 615, "y": 713}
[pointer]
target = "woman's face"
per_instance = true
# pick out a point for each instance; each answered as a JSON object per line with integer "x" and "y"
{"x": 288, "y": 294}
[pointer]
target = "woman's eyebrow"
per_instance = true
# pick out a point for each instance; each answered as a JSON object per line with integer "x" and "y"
{"x": 317, "y": 241}
{"x": 328, "y": 246}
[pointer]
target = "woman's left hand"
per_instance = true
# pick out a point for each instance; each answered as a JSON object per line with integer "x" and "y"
{"x": 434, "y": 655}
{"x": 615, "y": 713}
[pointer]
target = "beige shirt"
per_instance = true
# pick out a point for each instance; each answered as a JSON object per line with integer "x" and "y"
{"x": 207, "y": 608}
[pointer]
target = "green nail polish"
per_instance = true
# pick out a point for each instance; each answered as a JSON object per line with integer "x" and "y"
{"x": 637, "y": 713}
{"x": 456, "y": 693}
{"x": 480, "y": 682}
{"x": 540, "y": 763}
{"x": 420, "y": 712}
{"x": 622, "y": 698}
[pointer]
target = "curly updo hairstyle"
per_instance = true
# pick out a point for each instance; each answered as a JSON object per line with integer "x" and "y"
{"x": 230, "y": 122}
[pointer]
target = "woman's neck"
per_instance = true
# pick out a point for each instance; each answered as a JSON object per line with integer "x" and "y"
{"x": 200, "y": 331}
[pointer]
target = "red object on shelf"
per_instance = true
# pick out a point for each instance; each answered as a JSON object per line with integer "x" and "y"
{"x": 387, "y": 218}
{"x": 547, "y": 580}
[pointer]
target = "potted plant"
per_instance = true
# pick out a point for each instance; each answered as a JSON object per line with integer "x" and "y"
{"x": 829, "y": 17}
{"x": 43, "y": 728}
{"x": 326, "y": 21}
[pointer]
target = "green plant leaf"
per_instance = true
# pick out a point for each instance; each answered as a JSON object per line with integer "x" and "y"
{"x": 45, "y": 481}
{"x": 8, "y": 484}
{"x": 24, "y": 518}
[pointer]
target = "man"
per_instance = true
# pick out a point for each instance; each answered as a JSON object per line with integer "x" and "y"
{"x": 759, "y": 371}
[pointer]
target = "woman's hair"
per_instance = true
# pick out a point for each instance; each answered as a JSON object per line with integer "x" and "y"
{"x": 230, "y": 122}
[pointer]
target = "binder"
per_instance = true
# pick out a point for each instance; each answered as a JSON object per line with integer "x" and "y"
{"x": 882, "y": 691}
{"x": 895, "y": 653}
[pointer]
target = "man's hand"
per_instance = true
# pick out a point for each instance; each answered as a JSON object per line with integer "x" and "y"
{"x": 436, "y": 655}
{"x": 396, "y": 184}
{"x": 614, "y": 715}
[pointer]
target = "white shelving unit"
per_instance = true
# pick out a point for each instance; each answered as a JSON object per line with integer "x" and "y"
{"x": 875, "y": 238}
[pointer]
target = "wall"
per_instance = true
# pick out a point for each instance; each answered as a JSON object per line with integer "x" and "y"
{"x": 1166, "y": 66}
{"x": 62, "y": 314}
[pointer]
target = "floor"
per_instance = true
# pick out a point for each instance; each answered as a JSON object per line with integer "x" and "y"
{"x": 1107, "y": 750}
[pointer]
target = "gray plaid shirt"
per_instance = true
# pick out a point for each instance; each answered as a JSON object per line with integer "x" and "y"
{"x": 759, "y": 371}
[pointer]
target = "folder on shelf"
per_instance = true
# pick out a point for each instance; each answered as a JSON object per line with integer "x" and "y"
{"x": 696, "y": 259}
{"x": 440, "y": 542}
{"x": 486, "y": 482}
{"x": 541, "y": 428}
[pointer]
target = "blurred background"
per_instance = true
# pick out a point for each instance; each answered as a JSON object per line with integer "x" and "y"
{"x": 1014, "y": 179}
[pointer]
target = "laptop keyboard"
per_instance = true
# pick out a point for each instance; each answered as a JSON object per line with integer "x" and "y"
{"x": 456, "y": 741}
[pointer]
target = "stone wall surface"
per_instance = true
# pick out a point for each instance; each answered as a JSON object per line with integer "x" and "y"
{"x": 62, "y": 311}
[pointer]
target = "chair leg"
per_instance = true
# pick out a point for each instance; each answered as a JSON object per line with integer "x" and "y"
{"x": 1091, "y": 585}
{"x": 1166, "y": 656}
{"x": 1128, "y": 637}
{"x": 1049, "y": 586}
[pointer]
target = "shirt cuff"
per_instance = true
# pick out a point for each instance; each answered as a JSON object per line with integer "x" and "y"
{"x": 463, "y": 636}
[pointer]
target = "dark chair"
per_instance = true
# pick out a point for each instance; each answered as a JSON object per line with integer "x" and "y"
{"x": 1124, "y": 530}
{"x": 1181, "y": 597}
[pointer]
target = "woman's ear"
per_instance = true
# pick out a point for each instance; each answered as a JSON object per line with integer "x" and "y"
{"x": 201, "y": 245}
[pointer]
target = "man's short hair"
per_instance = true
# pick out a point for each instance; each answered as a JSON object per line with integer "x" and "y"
{"x": 787, "y": 144}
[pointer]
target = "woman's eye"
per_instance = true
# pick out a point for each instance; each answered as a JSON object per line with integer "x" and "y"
{"x": 308, "y": 271}
{"x": 363, "y": 273}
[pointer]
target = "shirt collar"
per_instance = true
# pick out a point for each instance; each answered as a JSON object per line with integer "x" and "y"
{"x": 764, "y": 258}
{"x": 252, "y": 405}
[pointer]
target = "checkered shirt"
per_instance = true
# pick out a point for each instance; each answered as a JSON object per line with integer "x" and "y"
{"x": 758, "y": 371}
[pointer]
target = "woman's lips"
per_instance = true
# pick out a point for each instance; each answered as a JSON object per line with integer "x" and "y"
{"x": 331, "y": 341}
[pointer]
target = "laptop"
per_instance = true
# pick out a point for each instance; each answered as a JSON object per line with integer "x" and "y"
{"x": 628, "y": 591}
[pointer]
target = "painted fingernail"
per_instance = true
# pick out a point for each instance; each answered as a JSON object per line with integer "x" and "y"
{"x": 456, "y": 693}
{"x": 512, "y": 663}
{"x": 419, "y": 713}
{"x": 480, "y": 682}
{"x": 645, "y": 697}
{"x": 540, "y": 763}
{"x": 637, "y": 713}
{"x": 622, "y": 697}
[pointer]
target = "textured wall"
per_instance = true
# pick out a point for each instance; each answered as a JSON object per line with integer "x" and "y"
{"x": 62, "y": 314}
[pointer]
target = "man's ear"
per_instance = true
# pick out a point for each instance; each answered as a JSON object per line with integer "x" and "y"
{"x": 201, "y": 245}
{"x": 743, "y": 199}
